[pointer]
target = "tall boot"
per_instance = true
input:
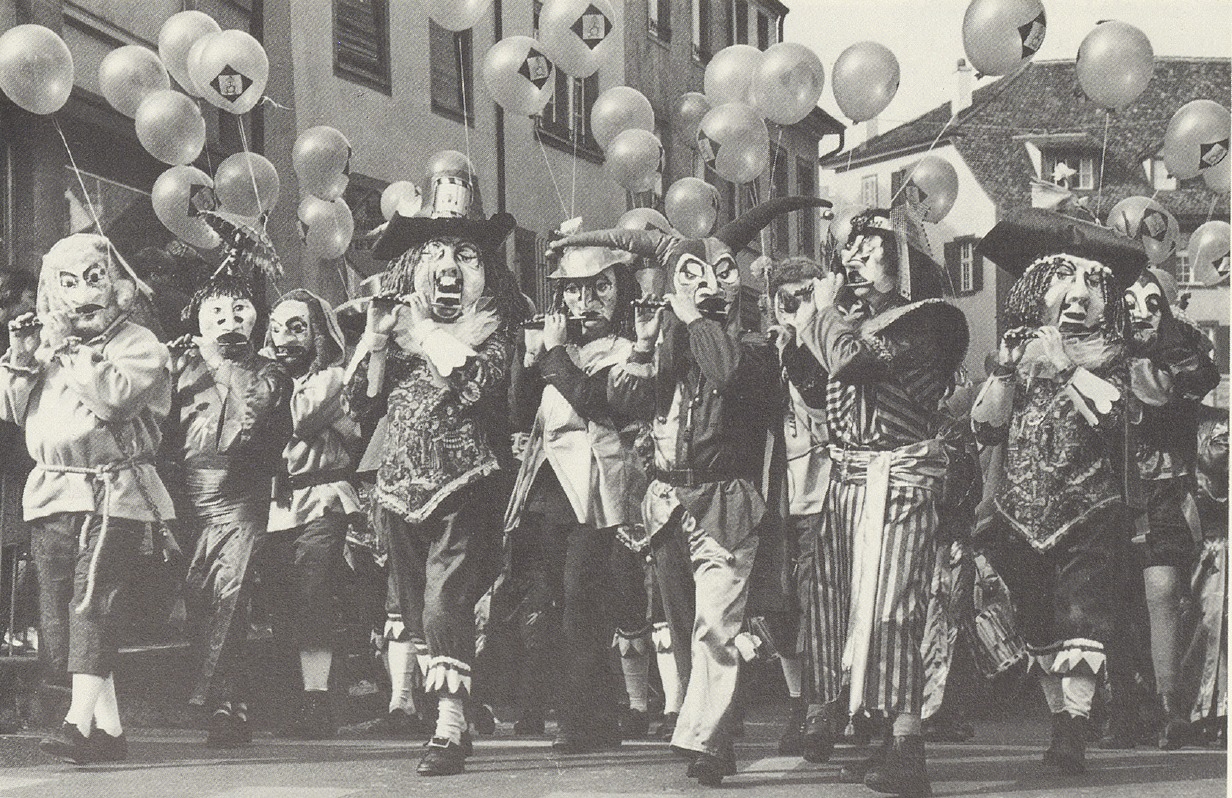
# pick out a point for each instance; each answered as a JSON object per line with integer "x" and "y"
{"x": 1176, "y": 730}
{"x": 902, "y": 771}
{"x": 1056, "y": 743}
{"x": 792, "y": 742}
{"x": 818, "y": 734}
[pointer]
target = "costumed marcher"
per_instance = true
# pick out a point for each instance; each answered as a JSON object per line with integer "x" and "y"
{"x": 580, "y": 482}
{"x": 435, "y": 357}
{"x": 1205, "y": 664}
{"x": 1170, "y": 370}
{"x": 1056, "y": 399}
{"x": 813, "y": 656}
{"x": 90, "y": 388}
{"x": 312, "y": 499}
{"x": 706, "y": 393}
{"x": 232, "y": 422}
{"x": 889, "y": 361}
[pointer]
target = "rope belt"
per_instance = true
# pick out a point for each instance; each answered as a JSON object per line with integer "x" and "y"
{"x": 103, "y": 475}
{"x": 916, "y": 465}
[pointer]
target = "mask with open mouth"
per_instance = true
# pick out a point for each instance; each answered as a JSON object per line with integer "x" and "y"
{"x": 82, "y": 282}
{"x": 1076, "y": 295}
{"x": 229, "y": 321}
{"x": 713, "y": 282}
{"x": 449, "y": 271}
{"x": 1145, "y": 302}
{"x": 871, "y": 256}
{"x": 291, "y": 333}
{"x": 591, "y": 304}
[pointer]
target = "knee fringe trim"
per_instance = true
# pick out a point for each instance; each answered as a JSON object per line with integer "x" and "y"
{"x": 1076, "y": 656}
{"x": 448, "y": 676}
{"x": 395, "y": 630}
{"x": 661, "y": 636}
{"x": 629, "y": 645}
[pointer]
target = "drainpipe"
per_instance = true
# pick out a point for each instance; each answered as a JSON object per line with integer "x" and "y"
{"x": 497, "y": 33}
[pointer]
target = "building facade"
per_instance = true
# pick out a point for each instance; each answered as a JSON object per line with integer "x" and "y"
{"x": 1006, "y": 141}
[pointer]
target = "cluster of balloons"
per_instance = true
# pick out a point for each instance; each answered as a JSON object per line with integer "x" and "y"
{"x": 622, "y": 122}
{"x": 574, "y": 36}
{"x": 322, "y": 159}
{"x": 245, "y": 184}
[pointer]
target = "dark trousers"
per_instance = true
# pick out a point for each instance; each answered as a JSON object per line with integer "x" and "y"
{"x": 433, "y": 565}
{"x": 299, "y": 573}
{"x": 73, "y": 641}
{"x": 217, "y": 599}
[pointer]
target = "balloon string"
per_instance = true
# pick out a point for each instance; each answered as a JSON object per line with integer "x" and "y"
{"x": 576, "y": 133}
{"x": 559, "y": 196}
{"x": 252, "y": 175}
{"x": 466, "y": 124}
{"x": 1103, "y": 156}
{"x": 1211, "y": 210}
{"x": 98, "y": 225}
{"x": 917, "y": 163}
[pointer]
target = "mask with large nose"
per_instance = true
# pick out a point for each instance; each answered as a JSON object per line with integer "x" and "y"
{"x": 1074, "y": 300}
{"x": 707, "y": 271}
{"x": 82, "y": 282}
{"x": 449, "y": 272}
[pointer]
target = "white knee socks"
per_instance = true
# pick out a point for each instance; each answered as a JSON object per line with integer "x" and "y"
{"x": 86, "y": 687}
{"x": 1078, "y": 690}
{"x": 450, "y": 718}
{"x": 636, "y": 668}
{"x": 315, "y": 665}
{"x": 793, "y": 674}
{"x": 399, "y": 655}
{"x": 106, "y": 710}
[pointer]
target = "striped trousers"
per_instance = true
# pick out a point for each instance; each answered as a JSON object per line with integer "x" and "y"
{"x": 886, "y": 501}
{"x": 823, "y": 582}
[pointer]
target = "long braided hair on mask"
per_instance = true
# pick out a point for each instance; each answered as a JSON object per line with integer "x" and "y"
{"x": 1025, "y": 304}
{"x": 499, "y": 284}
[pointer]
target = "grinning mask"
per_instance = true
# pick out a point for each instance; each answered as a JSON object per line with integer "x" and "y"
{"x": 449, "y": 272}
{"x": 1145, "y": 301}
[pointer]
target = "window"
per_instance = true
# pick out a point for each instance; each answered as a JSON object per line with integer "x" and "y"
{"x": 566, "y": 117}
{"x": 1159, "y": 176}
{"x": 701, "y": 30}
{"x": 868, "y": 192}
{"x": 528, "y": 262}
{"x": 740, "y": 22}
{"x": 965, "y": 268}
{"x": 107, "y": 198}
{"x": 659, "y": 19}
{"x": 806, "y": 220}
{"x": 453, "y": 84}
{"x": 780, "y": 175}
{"x": 1184, "y": 269}
{"x": 1074, "y": 170}
{"x": 361, "y": 42}
{"x": 763, "y": 30}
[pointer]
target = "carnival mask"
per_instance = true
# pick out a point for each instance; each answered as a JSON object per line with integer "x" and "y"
{"x": 83, "y": 285}
{"x": 1145, "y": 302}
{"x": 714, "y": 285}
{"x": 229, "y": 321}
{"x": 291, "y": 334}
{"x": 449, "y": 272}
{"x": 593, "y": 300}
{"x": 1074, "y": 299}
{"x": 865, "y": 261}
{"x": 788, "y": 298}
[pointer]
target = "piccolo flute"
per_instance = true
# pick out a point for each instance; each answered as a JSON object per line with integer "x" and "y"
{"x": 650, "y": 303}
{"x": 536, "y": 322}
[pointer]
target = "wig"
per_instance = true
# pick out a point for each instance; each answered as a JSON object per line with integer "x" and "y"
{"x": 327, "y": 343}
{"x": 1025, "y": 304}
{"x": 499, "y": 284}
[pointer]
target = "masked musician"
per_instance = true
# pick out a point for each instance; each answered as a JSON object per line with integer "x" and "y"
{"x": 90, "y": 389}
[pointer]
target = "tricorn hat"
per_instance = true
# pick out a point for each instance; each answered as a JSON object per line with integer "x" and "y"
{"x": 453, "y": 209}
{"x": 1029, "y": 234}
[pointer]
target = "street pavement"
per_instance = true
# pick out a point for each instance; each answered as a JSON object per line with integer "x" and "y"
{"x": 1003, "y": 760}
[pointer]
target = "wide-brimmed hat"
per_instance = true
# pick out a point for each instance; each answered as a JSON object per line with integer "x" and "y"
{"x": 452, "y": 210}
{"x": 1029, "y": 234}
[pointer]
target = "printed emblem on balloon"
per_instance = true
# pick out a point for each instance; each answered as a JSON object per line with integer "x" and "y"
{"x": 592, "y": 27}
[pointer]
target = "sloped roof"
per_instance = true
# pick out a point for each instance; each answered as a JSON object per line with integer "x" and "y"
{"x": 1044, "y": 98}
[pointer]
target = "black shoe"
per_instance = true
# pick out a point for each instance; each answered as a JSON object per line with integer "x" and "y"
{"x": 483, "y": 719}
{"x": 225, "y": 730}
{"x": 529, "y": 726}
{"x": 634, "y": 725}
{"x": 105, "y": 748}
{"x": 709, "y": 769}
{"x": 667, "y": 726}
{"x": 68, "y": 745}
{"x": 902, "y": 771}
{"x": 792, "y": 741}
{"x": 314, "y": 720}
{"x": 817, "y": 740}
{"x": 444, "y": 758}
{"x": 1176, "y": 731}
{"x": 854, "y": 772}
{"x": 1067, "y": 752}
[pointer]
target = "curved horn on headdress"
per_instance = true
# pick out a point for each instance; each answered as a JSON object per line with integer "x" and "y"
{"x": 739, "y": 232}
{"x": 644, "y": 243}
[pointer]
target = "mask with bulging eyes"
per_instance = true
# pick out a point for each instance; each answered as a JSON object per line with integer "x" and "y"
{"x": 449, "y": 272}
{"x": 290, "y": 330}
{"x": 865, "y": 262}
{"x": 1145, "y": 302}
{"x": 1074, "y": 300}
{"x": 715, "y": 287}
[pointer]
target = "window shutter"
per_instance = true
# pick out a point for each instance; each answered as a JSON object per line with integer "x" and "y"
{"x": 977, "y": 268}
{"x": 896, "y": 186}
{"x": 953, "y": 264}
{"x": 361, "y": 42}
